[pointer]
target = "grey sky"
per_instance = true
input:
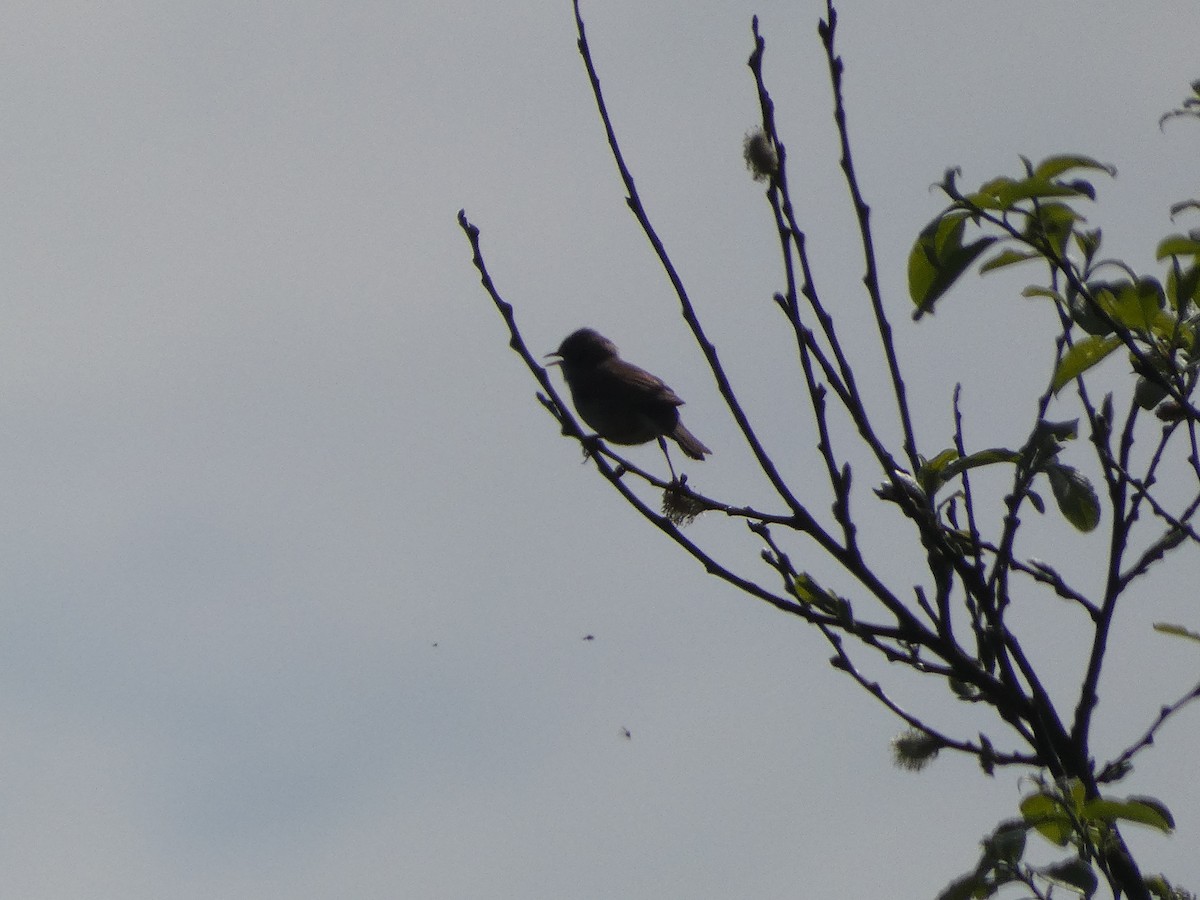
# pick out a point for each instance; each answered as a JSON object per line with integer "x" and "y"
{"x": 264, "y": 444}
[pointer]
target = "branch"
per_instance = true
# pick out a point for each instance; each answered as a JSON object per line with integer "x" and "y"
{"x": 987, "y": 756}
{"x": 710, "y": 351}
{"x": 842, "y": 380}
{"x": 827, "y": 30}
{"x": 1120, "y": 765}
{"x": 614, "y": 475}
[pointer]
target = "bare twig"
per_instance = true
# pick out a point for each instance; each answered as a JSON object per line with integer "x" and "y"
{"x": 827, "y": 31}
{"x": 689, "y": 314}
{"x": 1121, "y": 762}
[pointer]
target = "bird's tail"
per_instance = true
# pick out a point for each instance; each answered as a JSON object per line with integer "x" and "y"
{"x": 689, "y": 443}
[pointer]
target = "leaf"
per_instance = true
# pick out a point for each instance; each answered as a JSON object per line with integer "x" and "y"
{"x": 1158, "y": 808}
{"x": 1142, "y": 810}
{"x": 939, "y": 258}
{"x": 1005, "y": 845}
{"x": 1076, "y": 497}
{"x": 1052, "y": 222}
{"x": 965, "y": 888}
{"x": 1164, "y": 890}
{"x": 1034, "y": 291}
{"x": 1138, "y": 306}
{"x": 947, "y": 465}
{"x": 994, "y": 194}
{"x": 1177, "y": 631}
{"x": 1005, "y": 193}
{"x": 1177, "y": 245}
{"x": 1183, "y": 287}
{"x": 1081, "y": 357}
{"x": 1089, "y": 310}
{"x": 1053, "y": 166}
{"x": 1089, "y": 242}
{"x": 1047, "y": 816}
{"x": 1047, "y": 433}
{"x": 1073, "y": 873}
{"x": 1007, "y": 258}
{"x": 981, "y": 458}
{"x": 809, "y": 591}
{"x": 1148, "y": 392}
{"x": 929, "y": 475}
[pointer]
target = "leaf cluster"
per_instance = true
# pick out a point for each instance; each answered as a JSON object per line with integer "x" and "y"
{"x": 1035, "y": 218}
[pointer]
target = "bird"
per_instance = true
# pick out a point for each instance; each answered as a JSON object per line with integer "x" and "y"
{"x": 624, "y": 403}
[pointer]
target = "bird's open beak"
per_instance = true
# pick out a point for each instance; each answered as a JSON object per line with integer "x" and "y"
{"x": 554, "y": 362}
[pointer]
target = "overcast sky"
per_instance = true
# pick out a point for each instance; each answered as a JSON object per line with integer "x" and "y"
{"x": 297, "y": 573}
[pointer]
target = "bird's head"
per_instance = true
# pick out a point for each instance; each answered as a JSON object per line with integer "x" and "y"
{"x": 582, "y": 348}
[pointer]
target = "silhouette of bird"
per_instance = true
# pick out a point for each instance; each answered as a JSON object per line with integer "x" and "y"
{"x": 625, "y": 404}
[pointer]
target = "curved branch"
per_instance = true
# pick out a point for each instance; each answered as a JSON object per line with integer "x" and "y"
{"x": 689, "y": 314}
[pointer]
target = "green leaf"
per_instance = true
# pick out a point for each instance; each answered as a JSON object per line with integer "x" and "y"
{"x": 994, "y": 194}
{"x": 1157, "y": 807}
{"x": 1047, "y": 816}
{"x": 1177, "y": 631}
{"x": 1052, "y": 222}
{"x": 981, "y": 458}
{"x": 1164, "y": 890}
{"x": 1138, "y": 306}
{"x": 1008, "y": 258}
{"x": 1034, "y": 291}
{"x": 947, "y": 465}
{"x": 1183, "y": 288}
{"x": 1004, "y": 845}
{"x": 1088, "y": 312}
{"x": 1053, "y": 166}
{"x": 929, "y": 475}
{"x": 1076, "y": 497}
{"x": 1073, "y": 873}
{"x": 1005, "y": 193}
{"x": 809, "y": 591}
{"x": 1148, "y": 392}
{"x": 969, "y": 887}
{"x": 1177, "y": 245}
{"x": 1089, "y": 242}
{"x": 939, "y": 258}
{"x": 1081, "y": 357}
{"x": 1143, "y": 810}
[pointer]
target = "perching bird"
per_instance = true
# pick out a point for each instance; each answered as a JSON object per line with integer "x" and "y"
{"x": 624, "y": 403}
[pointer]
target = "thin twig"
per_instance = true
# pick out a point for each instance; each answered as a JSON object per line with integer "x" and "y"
{"x": 634, "y": 201}
{"x": 827, "y": 31}
{"x": 1122, "y": 761}
{"x": 843, "y": 662}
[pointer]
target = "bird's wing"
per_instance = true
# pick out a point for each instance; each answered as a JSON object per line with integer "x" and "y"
{"x": 642, "y": 387}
